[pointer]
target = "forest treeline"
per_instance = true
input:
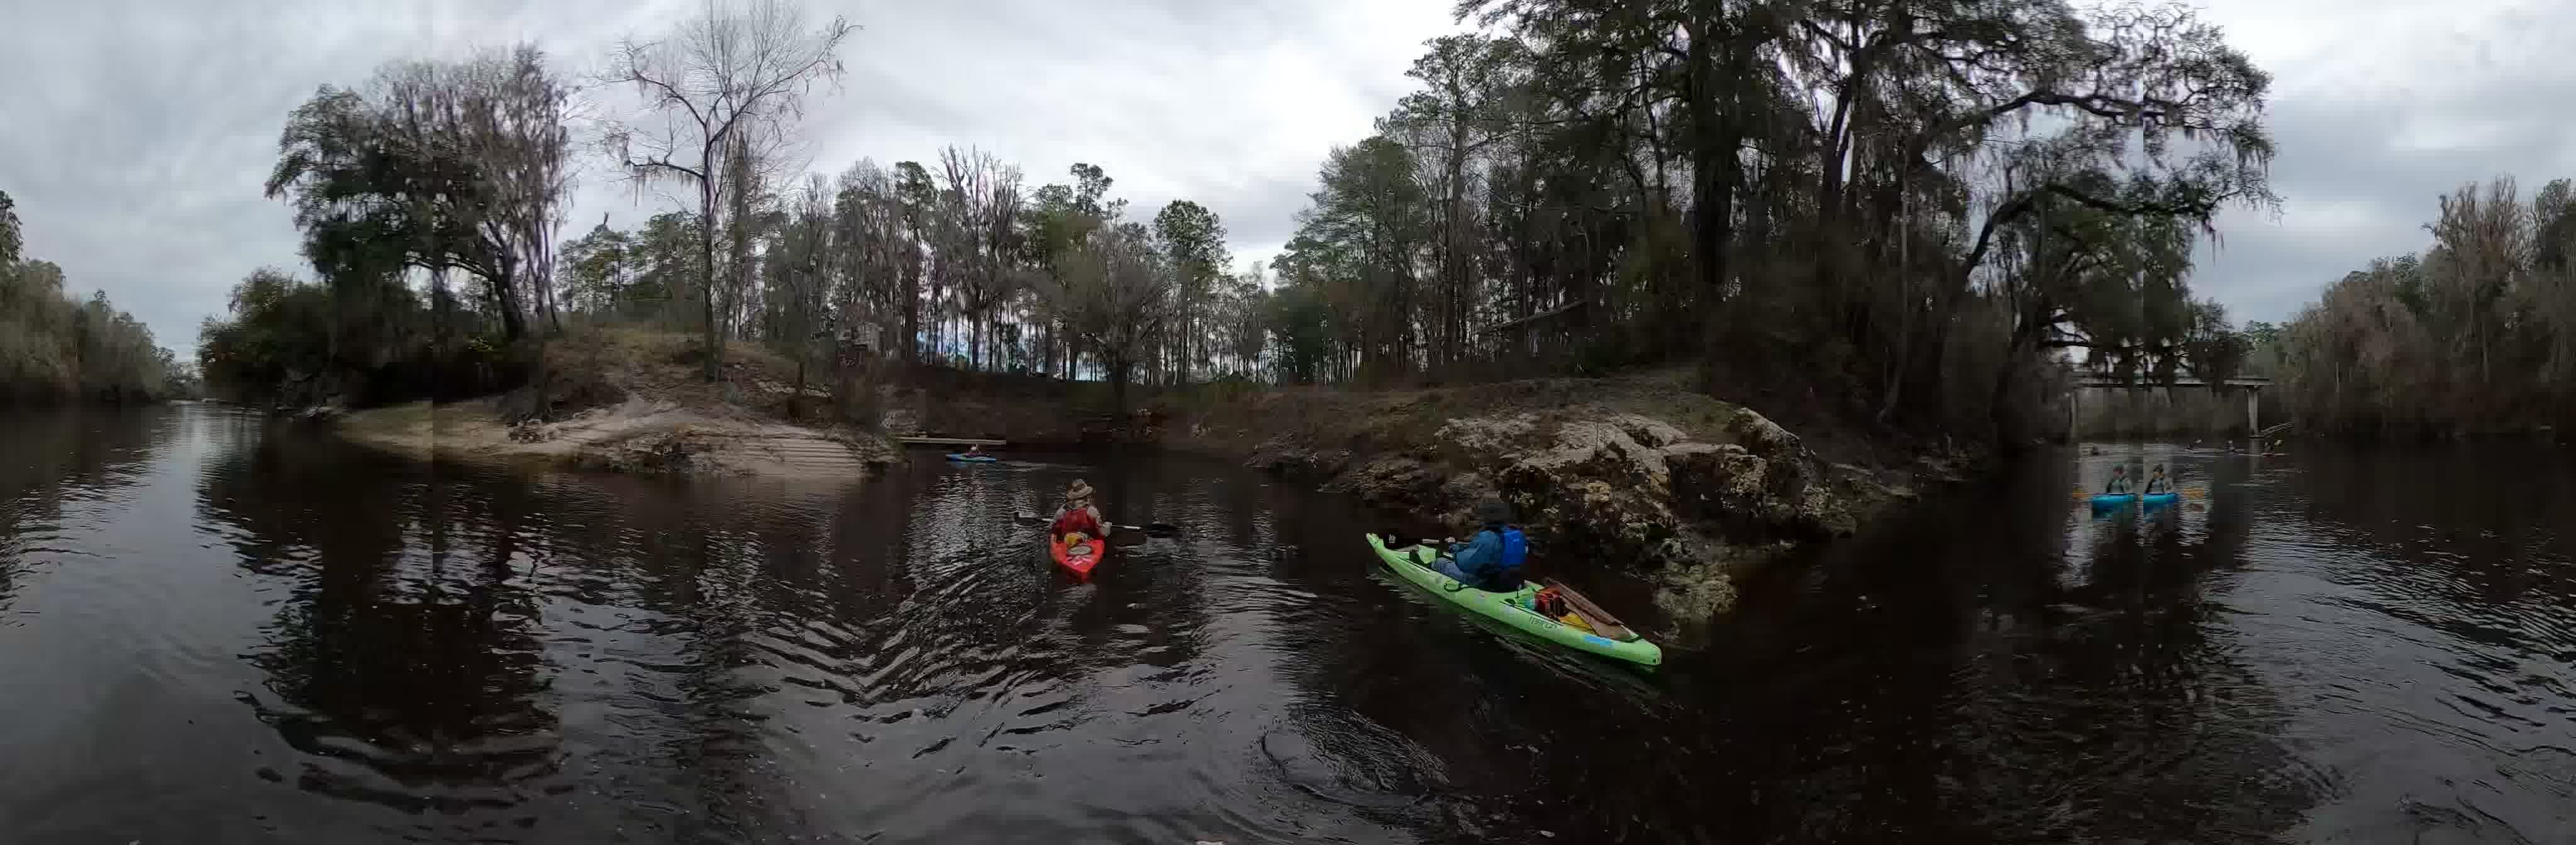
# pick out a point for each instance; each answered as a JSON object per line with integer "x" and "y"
{"x": 56, "y": 346}
{"x": 1907, "y": 211}
{"x": 2475, "y": 334}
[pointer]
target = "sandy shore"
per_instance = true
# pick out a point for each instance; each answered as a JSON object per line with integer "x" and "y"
{"x": 637, "y": 435}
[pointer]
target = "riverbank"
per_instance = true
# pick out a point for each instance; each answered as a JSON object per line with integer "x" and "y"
{"x": 1637, "y": 470}
{"x": 631, "y": 401}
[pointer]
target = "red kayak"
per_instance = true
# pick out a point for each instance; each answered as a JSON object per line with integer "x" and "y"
{"x": 1079, "y": 556}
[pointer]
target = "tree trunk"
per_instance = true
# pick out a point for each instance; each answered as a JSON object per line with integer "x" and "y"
{"x": 911, "y": 317}
{"x": 796, "y": 400}
{"x": 505, "y": 299}
{"x": 1119, "y": 369}
{"x": 707, "y": 275}
{"x": 1903, "y": 348}
{"x": 1713, "y": 168}
{"x": 1998, "y": 401}
{"x": 2024, "y": 343}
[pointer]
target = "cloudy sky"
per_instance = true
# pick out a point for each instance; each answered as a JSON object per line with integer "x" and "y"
{"x": 137, "y": 134}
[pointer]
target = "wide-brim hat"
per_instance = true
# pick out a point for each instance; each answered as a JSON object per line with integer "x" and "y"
{"x": 1078, "y": 492}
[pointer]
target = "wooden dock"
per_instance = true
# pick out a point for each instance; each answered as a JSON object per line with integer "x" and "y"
{"x": 949, "y": 441}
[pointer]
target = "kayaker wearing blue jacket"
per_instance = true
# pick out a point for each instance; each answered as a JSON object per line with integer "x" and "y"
{"x": 1492, "y": 559}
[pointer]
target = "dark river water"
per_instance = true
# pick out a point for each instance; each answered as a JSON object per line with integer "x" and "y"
{"x": 215, "y": 629}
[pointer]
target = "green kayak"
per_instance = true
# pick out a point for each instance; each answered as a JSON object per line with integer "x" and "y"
{"x": 1514, "y": 608}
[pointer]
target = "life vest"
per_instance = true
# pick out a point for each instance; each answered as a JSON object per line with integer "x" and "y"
{"x": 1077, "y": 520}
{"x": 1516, "y": 550}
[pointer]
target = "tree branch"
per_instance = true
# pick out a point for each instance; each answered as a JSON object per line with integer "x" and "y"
{"x": 635, "y": 74}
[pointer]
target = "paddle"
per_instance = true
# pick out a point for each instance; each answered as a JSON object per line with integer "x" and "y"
{"x": 1150, "y": 529}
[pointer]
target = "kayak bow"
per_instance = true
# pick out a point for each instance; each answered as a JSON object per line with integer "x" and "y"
{"x": 1513, "y": 608}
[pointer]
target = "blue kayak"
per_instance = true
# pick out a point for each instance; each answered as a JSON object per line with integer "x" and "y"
{"x": 2113, "y": 500}
{"x": 972, "y": 459}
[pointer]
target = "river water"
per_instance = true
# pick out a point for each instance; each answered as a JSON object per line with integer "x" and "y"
{"x": 217, "y": 629}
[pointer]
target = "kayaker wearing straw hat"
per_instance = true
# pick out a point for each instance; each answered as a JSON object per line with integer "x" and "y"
{"x": 1078, "y": 514}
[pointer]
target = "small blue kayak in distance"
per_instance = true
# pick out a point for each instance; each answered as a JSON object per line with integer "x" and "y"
{"x": 972, "y": 459}
{"x": 2113, "y": 500}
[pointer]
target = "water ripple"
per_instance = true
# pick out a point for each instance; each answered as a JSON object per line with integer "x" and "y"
{"x": 273, "y": 637}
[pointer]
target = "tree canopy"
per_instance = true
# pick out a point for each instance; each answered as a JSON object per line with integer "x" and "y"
{"x": 1908, "y": 211}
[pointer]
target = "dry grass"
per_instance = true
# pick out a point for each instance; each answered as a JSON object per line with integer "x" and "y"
{"x": 595, "y": 366}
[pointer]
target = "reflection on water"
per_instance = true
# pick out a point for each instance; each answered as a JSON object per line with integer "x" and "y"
{"x": 265, "y": 636}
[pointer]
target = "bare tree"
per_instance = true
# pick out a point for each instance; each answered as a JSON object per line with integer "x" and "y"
{"x": 733, "y": 78}
{"x": 982, "y": 242}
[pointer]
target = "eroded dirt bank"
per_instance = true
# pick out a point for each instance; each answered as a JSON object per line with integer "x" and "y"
{"x": 1633, "y": 471}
